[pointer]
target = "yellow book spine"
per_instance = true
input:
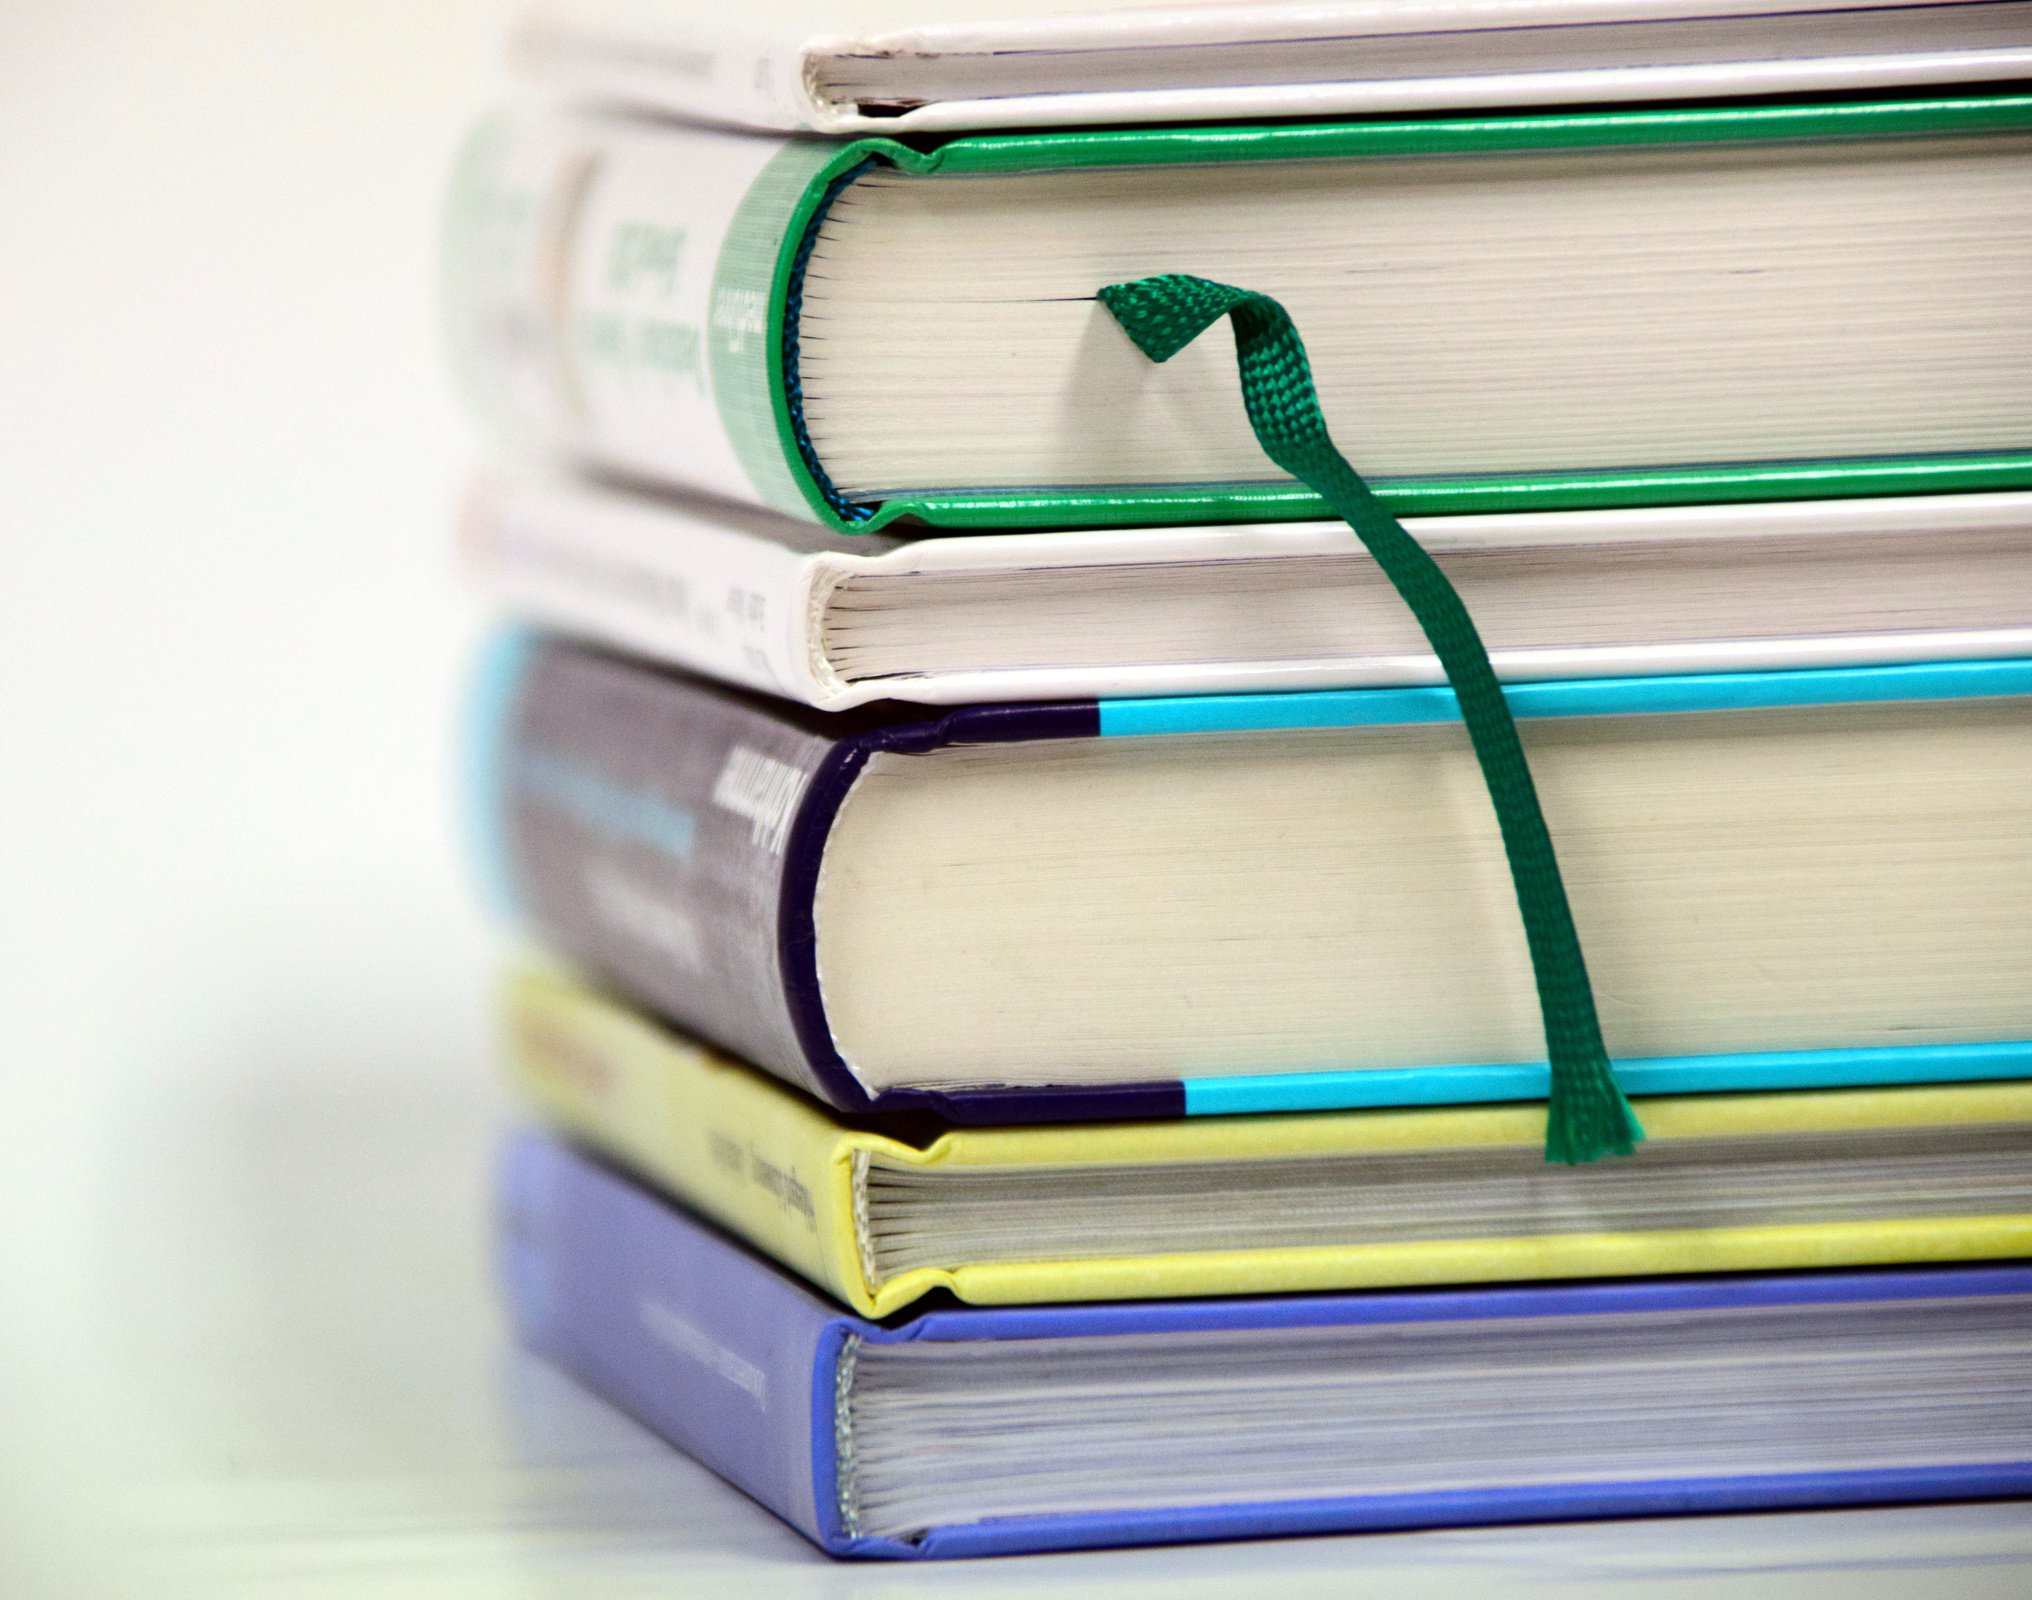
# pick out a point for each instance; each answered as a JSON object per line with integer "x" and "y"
{"x": 760, "y": 1162}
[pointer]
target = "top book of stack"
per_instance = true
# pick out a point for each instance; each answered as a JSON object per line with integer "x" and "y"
{"x": 908, "y": 66}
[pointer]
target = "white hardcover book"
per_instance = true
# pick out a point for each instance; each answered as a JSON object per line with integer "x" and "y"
{"x": 1710, "y": 304}
{"x": 865, "y": 66}
{"x": 778, "y": 605}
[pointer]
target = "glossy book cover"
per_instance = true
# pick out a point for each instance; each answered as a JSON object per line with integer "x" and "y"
{"x": 671, "y": 836}
{"x": 637, "y": 294}
{"x": 1295, "y": 1203}
{"x": 761, "y": 1380}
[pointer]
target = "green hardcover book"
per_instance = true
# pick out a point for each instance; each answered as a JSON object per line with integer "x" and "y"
{"x": 1512, "y": 312}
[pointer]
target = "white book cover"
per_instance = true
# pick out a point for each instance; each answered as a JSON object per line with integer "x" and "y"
{"x": 759, "y": 600}
{"x": 901, "y": 66}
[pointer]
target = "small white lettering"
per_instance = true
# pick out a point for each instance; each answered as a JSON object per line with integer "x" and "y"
{"x": 668, "y": 1328}
{"x": 762, "y": 789}
{"x": 738, "y": 316}
{"x": 645, "y": 919}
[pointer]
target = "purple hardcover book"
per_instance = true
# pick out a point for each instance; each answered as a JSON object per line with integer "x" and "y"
{"x": 978, "y": 1432}
{"x": 1037, "y": 912}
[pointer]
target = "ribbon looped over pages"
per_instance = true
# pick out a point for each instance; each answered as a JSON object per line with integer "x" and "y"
{"x": 1588, "y": 1116}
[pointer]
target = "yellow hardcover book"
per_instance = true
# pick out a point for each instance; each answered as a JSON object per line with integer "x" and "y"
{"x": 1273, "y": 1204}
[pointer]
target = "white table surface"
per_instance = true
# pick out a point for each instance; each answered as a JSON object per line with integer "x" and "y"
{"x": 247, "y": 1341}
{"x": 270, "y": 1366}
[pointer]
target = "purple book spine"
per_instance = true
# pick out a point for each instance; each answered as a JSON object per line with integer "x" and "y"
{"x": 668, "y": 835}
{"x": 641, "y": 821}
{"x": 722, "y": 1356}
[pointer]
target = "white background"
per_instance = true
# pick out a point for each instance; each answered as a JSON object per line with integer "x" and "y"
{"x": 242, "y": 989}
{"x": 246, "y": 1343}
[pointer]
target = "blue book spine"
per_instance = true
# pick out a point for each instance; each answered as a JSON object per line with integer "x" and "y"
{"x": 721, "y": 1355}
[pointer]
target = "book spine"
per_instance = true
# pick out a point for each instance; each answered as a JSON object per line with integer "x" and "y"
{"x": 696, "y": 593}
{"x": 613, "y": 290}
{"x": 642, "y": 822}
{"x": 762, "y": 1163}
{"x": 728, "y": 1360}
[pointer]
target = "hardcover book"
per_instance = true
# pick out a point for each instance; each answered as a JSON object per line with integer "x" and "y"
{"x": 772, "y": 603}
{"x": 1503, "y": 313}
{"x": 992, "y": 1431}
{"x": 1272, "y": 1204}
{"x": 1152, "y": 908}
{"x": 878, "y": 66}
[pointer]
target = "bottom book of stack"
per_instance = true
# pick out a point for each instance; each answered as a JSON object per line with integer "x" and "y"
{"x": 981, "y": 1431}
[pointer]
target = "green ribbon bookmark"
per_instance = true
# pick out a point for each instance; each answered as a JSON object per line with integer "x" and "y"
{"x": 1588, "y": 1117}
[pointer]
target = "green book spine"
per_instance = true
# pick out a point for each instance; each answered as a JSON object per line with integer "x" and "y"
{"x": 618, "y": 291}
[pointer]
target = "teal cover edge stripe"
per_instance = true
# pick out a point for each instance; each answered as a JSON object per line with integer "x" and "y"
{"x": 1574, "y": 697}
{"x": 755, "y": 266}
{"x": 1883, "y": 115}
{"x": 490, "y": 703}
{"x": 1769, "y": 1070}
{"x": 1156, "y": 505}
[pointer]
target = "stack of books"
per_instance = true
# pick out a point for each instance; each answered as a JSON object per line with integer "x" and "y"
{"x": 1042, "y": 1049}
